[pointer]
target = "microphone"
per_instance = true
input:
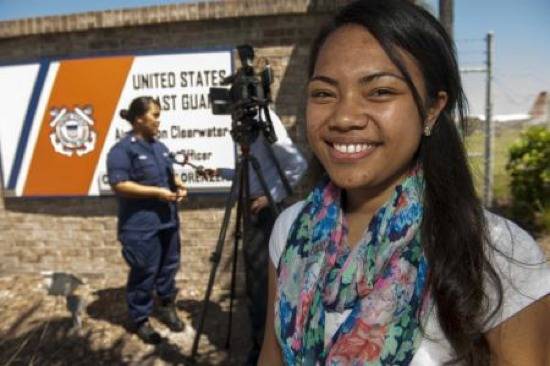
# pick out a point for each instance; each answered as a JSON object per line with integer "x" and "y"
{"x": 178, "y": 157}
{"x": 181, "y": 159}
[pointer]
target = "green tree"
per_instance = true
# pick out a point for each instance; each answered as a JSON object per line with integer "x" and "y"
{"x": 529, "y": 168}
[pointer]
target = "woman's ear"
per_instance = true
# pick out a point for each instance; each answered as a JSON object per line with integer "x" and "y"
{"x": 435, "y": 109}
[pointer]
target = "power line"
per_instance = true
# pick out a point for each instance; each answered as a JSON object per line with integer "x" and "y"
{"x": 512, "y": 96}
{"x": 470, "y": 40}
{"x": 471, "y": 52}
{"x": 502, "y": 88}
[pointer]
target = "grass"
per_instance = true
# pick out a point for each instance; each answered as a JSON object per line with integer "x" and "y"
{"x": 475, "y": 145}
{"x": 505, "y": 137}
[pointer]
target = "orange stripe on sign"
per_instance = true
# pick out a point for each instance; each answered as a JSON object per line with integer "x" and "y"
{"x": 63, "y": 162}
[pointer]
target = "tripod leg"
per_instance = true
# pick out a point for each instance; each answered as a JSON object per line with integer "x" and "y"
{"x": 238, "y": 235}
{"x": 215, "y": 258}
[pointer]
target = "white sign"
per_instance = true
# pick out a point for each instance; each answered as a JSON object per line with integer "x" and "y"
{"x": 62, "y": 117}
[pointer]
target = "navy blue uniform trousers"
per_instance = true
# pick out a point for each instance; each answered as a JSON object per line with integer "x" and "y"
{"x": 154, "y": 259}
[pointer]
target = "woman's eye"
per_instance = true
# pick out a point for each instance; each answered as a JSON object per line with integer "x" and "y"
{"x": 382, "y": 92}
{"x": 320, "y": 94}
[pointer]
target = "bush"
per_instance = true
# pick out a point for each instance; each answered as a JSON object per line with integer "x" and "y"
{"x": 543, "y": 219}
{"x": 529, "y": 168}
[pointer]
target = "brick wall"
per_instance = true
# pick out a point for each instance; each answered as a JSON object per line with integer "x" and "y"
{"x": 78, "y": 235}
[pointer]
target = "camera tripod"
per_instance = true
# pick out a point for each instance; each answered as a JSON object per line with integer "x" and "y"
{"x": 242, "y": 196}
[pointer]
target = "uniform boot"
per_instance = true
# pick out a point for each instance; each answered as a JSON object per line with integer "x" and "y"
{"x": 147, "y": 333}
{"x": 168, "y": 315}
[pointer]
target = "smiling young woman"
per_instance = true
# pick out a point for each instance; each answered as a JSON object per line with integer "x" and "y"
{"x": 391, "y": 259}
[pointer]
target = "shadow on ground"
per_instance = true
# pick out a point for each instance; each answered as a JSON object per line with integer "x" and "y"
{"x": 110, "y": 306}
{"x": 41, "y": 336}
{"x": 53, "y": 342}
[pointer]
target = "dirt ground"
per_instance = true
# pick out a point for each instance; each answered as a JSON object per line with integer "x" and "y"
{"x": 37, "y": 328}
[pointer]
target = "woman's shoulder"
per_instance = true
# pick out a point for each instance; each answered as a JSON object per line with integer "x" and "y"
{"x": 290, "y": 213}
{"x": 502, "y": 228}
{"x": 119, "y": 149}
{"x": 281, "y": 228}
{"x": 161, "y": 144}
{"x": 507, "y": 239}
{"x": 123, "y": 143}
{"x": 520, "y": 264}
{"x": 522, "y": 270}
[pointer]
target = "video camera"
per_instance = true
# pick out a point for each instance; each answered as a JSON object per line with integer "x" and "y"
{"x": 247, "y": 100}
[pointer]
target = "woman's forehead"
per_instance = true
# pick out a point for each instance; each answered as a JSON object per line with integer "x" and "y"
{"x": 351, "y": 40}
{"x": 353, "y": 49}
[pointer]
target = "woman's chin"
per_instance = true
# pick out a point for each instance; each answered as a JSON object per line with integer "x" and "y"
{"x": 350, "y": 181}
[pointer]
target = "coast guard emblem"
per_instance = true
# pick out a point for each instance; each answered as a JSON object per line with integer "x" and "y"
{"x": 72, "y": 130}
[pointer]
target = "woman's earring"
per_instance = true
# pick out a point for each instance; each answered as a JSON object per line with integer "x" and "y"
{"x": 427, "y": 130}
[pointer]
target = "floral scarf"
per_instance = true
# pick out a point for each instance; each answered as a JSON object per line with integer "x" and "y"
{"x": 381, "y": 281}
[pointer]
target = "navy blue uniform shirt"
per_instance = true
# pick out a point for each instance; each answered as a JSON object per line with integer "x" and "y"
{"x": 147, "y": 163}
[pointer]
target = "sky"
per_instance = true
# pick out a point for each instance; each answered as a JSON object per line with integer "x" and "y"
{"x": 522, "y": 51}
{"x": 521, "y": 42}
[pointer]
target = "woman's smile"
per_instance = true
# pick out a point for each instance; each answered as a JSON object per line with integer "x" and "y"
{"x": 350, "y": 152}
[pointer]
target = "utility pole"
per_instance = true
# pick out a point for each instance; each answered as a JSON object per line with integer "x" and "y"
{"x": 446, "y": 15}
{"x": 488, "y": 163}
{"x": 489, "y": 127}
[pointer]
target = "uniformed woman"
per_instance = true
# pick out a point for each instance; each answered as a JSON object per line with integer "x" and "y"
{"x": 141, "y": 174}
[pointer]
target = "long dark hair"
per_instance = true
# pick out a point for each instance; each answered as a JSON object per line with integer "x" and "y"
{"x": 138, "y": 107}
{"x": 454, "y": 230}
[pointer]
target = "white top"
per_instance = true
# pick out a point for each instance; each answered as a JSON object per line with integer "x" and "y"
{"x": 525, "y": 279}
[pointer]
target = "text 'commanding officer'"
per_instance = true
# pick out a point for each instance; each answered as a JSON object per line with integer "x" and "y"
{"x": 141, "y": 174}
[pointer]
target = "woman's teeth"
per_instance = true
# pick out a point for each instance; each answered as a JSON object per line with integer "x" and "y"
{"x": 352, "y": 148}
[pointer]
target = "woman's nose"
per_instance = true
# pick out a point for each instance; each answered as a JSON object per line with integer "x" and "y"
{"x": 349, "y": 113}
